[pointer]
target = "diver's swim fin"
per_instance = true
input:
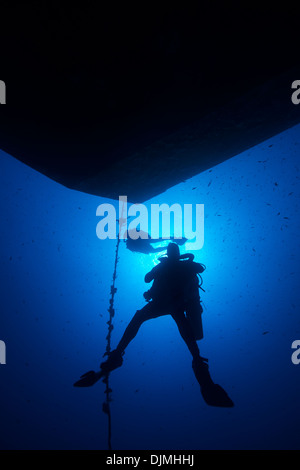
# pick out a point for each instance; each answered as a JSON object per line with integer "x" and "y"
{"x": 89, "y": 378}
{"x": 213, "y": 394}
{"x": 113, "y": 361}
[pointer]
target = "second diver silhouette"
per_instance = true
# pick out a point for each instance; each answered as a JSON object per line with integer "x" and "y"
{"x": 175, "y": 292}
{"x": 144, "y": 244}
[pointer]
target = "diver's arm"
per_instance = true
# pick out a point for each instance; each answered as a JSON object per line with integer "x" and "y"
{"x": 151, "y": 275}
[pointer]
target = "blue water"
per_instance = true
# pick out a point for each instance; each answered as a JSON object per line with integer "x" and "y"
{"x": 55, "y": 282}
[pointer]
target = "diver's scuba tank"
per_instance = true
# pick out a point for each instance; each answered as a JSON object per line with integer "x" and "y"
{"x": 194, "y": 312}
{"x": 194, "y": 308}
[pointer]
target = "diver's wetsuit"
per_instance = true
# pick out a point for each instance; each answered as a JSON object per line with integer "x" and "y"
{"x": 174, "y": 288}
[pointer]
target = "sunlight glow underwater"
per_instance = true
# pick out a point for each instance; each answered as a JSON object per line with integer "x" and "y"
{"x": 56, "y": 277}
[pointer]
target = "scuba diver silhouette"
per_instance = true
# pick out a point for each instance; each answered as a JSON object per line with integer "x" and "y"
{"x": 175, "y": 292}
{"x": 143, "y": 244}
{"x": 172, "y": 291}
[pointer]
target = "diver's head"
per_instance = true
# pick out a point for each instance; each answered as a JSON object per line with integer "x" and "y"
{"x": 173, "y": 251}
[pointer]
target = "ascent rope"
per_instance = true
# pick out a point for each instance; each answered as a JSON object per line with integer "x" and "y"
{"x": 111, "y": 311}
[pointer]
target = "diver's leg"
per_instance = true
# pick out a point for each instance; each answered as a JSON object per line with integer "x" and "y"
{"x": 186, "y": 333}
{"x": 115, "y": 357}
{"x": 199, "y": 364}
{"x": 146, "y": 313}
{"x": 213, "y": 394}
